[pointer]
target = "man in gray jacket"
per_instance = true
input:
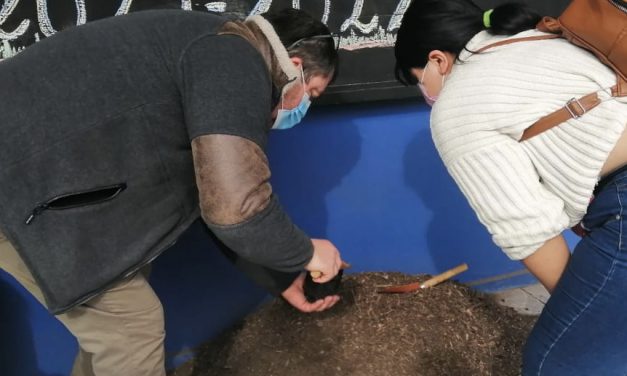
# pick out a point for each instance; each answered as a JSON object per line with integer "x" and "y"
{"x": 118, "y": 134}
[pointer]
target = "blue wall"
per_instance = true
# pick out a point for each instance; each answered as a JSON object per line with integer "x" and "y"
{"x": 365, "y": 176}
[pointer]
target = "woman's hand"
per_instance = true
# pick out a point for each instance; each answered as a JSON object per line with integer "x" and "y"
{"x": 295, "y": 295}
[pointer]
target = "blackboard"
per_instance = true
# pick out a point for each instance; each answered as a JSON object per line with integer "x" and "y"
{"x": 367, "y": 28}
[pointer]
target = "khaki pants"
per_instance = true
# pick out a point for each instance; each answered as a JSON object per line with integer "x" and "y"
{"x": 119, "y": 332}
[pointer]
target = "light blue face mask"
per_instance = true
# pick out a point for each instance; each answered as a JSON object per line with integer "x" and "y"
{"x": 286, "y": 119}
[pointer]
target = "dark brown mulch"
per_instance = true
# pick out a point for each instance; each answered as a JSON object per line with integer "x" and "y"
{"x": 447, "y": 330}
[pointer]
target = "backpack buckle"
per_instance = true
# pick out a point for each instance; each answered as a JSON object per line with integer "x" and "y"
{"x": 575, "y": 112}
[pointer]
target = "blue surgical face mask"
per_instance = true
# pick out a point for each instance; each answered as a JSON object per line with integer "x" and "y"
{"x": 286, "y": 119}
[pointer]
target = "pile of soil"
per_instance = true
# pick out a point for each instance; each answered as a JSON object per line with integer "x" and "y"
{"x": 446, "y": 330}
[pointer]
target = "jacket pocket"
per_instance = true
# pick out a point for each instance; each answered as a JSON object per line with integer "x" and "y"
{"x": 77, "y": 199}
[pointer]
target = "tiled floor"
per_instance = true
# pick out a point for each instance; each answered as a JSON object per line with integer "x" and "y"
{"x": 528, "y": 300}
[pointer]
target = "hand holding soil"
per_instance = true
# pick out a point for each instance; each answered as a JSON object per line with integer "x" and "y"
{"x": 295, "y": 295}
{"x": 325, "y": 262}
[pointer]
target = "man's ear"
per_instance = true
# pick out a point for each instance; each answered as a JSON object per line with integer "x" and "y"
{"x": 443, "y": 60}
{"x": 297, "y": 61}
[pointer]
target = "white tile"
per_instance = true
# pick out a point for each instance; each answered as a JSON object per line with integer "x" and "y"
{"x": 528, "y": 300}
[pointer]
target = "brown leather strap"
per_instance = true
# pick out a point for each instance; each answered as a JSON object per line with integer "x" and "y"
{"x": 515, "y": 40}
{"x": 620, "y": 90}
{"x": 573, "y": 109}
{"x": 549, "y": 25}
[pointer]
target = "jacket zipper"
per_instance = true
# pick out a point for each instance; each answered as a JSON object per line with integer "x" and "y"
{"x": 116, "y": 189}
{"x": 38, "y": 210}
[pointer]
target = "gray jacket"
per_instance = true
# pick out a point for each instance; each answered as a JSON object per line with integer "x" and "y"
{"x": 111, "y": 132}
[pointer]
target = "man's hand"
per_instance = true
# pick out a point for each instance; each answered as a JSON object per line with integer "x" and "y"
{"x": 295, "y": 295}
{"x": 326, "y": 261}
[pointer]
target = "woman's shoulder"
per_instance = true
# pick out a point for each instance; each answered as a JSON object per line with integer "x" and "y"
{"x": 557, "y": 53}
{"x": 485, "y": 38}
{"x": 509, "y": 87}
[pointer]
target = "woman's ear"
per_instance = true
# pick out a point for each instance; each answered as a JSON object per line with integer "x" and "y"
{"x": 443, "y": 60}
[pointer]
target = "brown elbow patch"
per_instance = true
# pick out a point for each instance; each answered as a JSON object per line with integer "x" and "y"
{"x": 232, "y": 176}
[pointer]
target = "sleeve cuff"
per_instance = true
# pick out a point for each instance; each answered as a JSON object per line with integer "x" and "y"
{"x": 269, "y": 239}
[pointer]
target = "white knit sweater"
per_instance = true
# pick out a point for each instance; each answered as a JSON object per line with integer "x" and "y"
{"x": 525, "y": 193}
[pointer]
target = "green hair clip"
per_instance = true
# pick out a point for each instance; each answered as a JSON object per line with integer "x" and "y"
{"x": 486, "y": 18}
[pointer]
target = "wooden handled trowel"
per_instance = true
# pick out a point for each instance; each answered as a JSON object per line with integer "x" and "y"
{"x": 411, "y": 287}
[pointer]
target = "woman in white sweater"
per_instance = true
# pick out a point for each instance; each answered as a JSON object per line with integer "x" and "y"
{"x": 528, "y": 192}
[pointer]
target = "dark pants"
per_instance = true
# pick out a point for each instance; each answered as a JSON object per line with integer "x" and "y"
{"x": 583, "y": 328}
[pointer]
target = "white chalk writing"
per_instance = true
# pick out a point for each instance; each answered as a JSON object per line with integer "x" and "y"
{"x": 354, "y": 41}
{"x": 325, "y": 14}
{"x": 327, "y": 11}
{"x": 124, "y": 7}
{"x": 216, "y": 6}
{"x": 356, "y": 30}
{"x": 395, "y": 21}
{"x": 5, "y": 12}
{"x": 44, "y": 19}
{"x": 261, "y": 7}
{"x": 353, "y": 20}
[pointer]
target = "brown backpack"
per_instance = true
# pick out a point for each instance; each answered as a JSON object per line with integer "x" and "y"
{"x": 599, "y": 26}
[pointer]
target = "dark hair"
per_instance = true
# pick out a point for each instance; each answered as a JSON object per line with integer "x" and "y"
{"x": 307, "y": 38}
{"x": 448, "y": 25}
